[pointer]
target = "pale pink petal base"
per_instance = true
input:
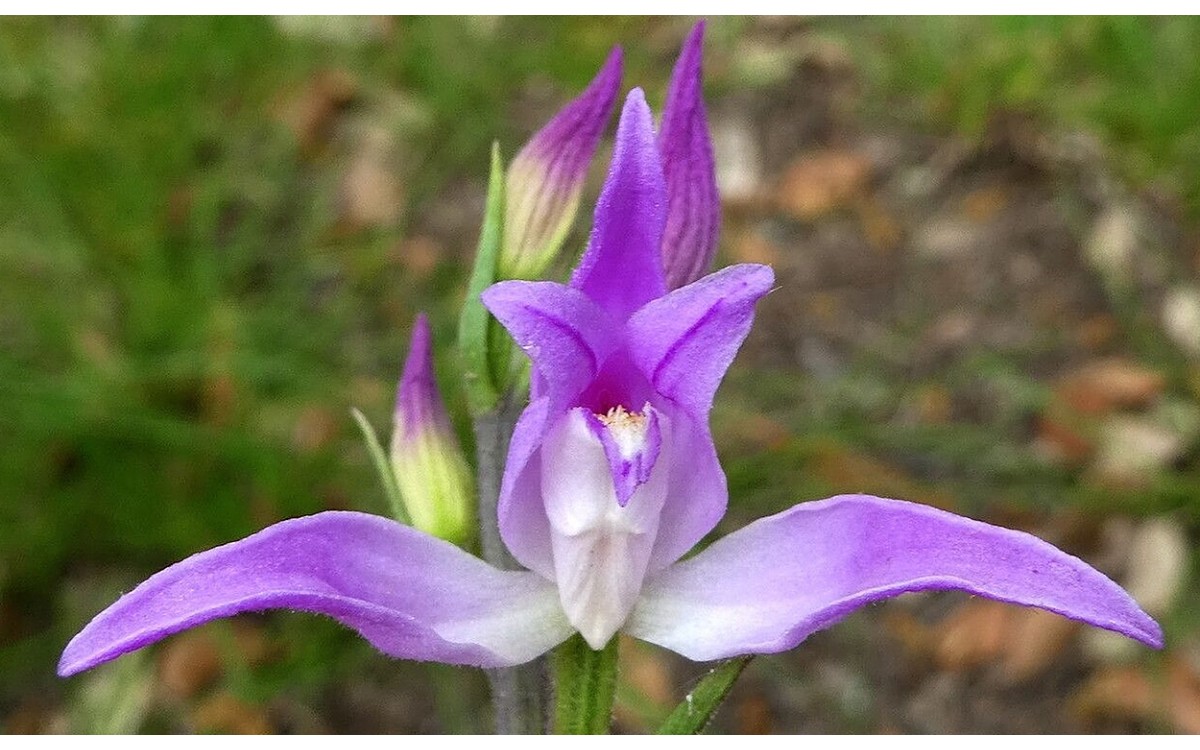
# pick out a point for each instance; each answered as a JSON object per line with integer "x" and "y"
{"x": 767, "y": 587}
{"x": 411, "y": 595}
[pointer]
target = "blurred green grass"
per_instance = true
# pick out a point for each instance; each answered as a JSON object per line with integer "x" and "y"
{"x": 183, "y": 325}
{"x": 1130, "y": 81}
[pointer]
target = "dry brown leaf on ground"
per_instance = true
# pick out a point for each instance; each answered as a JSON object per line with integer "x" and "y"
{"x": 648, "y": 674}
{"x": 1036, "y": 638}
{"x": 1132, "y": 693}
{"x": 755, "y": 432}
{"x": 752, "y": 714}
{"x": 225, "y": 713}
{"x": 418, "y": 255}
{"x": 193, "y": 660}
{"x": 1107, "y": 385}
{"x": 188, "y": 663}
{"x": 753, "y": 247}
{"x": 985, "y": 203}
{"x": 1117, "y": 692}
{"x": 371, "y": 194}
{"x": 881, "y": 228}
{"x": 973, "y": 635}
{"x": 822, "y": 181}
{"x": 310, "y": 114}
{"x": 848, "y": 471}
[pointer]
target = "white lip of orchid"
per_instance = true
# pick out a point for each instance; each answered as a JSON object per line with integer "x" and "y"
{"x": 601, "y": 549}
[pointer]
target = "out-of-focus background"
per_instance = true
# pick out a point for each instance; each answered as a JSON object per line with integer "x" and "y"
{"x": 215, "y": 234}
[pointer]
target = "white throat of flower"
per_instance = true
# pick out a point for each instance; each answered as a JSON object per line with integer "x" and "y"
{"x": 601, "y": 549}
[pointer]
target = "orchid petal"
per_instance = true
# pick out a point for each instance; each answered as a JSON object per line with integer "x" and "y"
{"x": 410, "y": 595}
{"x": 565, "y": 334}
{"x": 698, "y": 494}
{"x": 767, "y": 587}
{"x": 685, "y": 341}
{"x": 622, "y": 267}
{"x": 520, "y": 509}
{"x": 693, "y": 206}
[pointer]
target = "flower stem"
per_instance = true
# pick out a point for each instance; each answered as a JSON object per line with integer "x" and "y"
{"x": 586, "y": 682}
{"x": 519, "y": 694}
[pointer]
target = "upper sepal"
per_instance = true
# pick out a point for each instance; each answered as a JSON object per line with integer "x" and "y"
{"x": 621, "y": 269}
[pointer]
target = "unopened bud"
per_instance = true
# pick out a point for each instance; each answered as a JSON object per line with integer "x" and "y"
{"x": 693, "y": 206}
{"x": 431, "y": 471}
{"x": 546, "y": 177}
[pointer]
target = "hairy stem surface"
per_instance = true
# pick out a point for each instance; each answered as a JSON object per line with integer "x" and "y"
{"x": 519, "y": 694}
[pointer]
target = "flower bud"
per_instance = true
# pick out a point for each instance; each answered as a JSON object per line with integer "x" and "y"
{"x": 431, "y": 471}
{"x": 693, "y": 205}
{"x": 546, "y": 178}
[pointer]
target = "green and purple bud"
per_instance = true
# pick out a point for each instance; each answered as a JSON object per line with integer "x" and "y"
{"x": 545, "y": 179}
{"x": 431, "y": 472}
{"x": 693, "y": 205}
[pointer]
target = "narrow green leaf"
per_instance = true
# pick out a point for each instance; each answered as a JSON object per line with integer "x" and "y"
{"x": 379, "y": 457}
{"x": 585, "y": 682}
{"x": 474, "y": 321}
{"x": 696, "y": 710}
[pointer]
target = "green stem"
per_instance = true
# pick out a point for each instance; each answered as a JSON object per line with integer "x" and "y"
{"x": 697, "y": 709}
{"x": 519, "y": 694}
{"x": 586, "y": 683}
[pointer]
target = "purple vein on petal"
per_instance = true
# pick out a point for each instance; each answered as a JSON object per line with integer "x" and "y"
{"x": 565, "y": 334}
{"x": 685, "y": 341}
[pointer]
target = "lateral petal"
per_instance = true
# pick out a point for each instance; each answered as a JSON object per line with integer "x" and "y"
{"x": 565, "y": 334}
{"x": 622, "y": 268}
{"x": 410, "y": 595}
{"x": 767, "y": 587}
{"x": 698, "y": 494}
{"x": 685, "y": 341}
{"x": 524, "y": 526}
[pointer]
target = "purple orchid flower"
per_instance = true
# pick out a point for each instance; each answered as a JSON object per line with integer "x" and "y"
{"x": 612, "y": 477}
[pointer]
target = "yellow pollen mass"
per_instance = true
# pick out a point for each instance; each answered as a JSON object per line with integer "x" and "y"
{"x": 619, "y": 418}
